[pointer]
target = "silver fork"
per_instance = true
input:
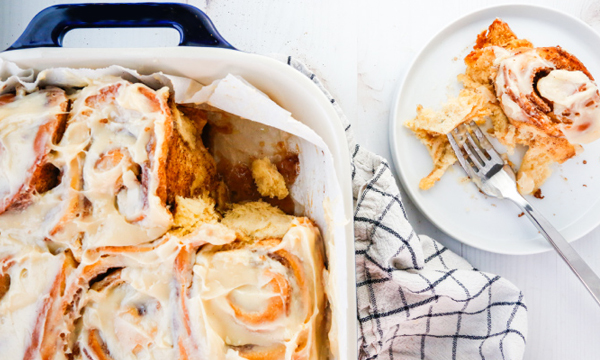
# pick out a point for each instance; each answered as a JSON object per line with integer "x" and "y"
{"x": 487, "y": 170}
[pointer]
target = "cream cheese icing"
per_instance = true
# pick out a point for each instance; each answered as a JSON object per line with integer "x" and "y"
{"x": 573, "y": 96}
{"x": 515, "y": 77}
{"x": 263, "y": 297}
{"x": 120, "y": 137}
{"x": 24, "y": 307}
{"x": 132, "y": 316}
{"x": 111, "y": 156}
{"x": 576, "y": 98}
{"x": 130, "y": 311}
{"x": 22, "y": 138}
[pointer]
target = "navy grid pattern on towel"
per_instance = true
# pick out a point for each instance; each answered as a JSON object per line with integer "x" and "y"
{"x": 417, "y": 299}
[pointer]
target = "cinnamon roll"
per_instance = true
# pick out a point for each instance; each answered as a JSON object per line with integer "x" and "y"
{"x": 550, "y": 93}
{"x": 137, "y": 152}
{"x": 551, "y": 99}
{"x": 31, "y": 285}
{"x": 126, "y": 314}
{"x": 260, "y": 300}
{"x": 120, "y": 306}
{"x": 30, "y": 125}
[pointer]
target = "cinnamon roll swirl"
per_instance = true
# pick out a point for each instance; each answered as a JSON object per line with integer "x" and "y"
{"x": 549, "y": 92}
{"x": 551, "y": 99}
{"x": 126, "y": 314}
{"x": 261, "y": 300}
{"x": 120, "y": 306}
{"x": 126, "y": 303}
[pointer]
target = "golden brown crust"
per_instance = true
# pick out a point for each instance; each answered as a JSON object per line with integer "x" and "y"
{"x": 194, "y": 114}
{"x": 190, "y": 170}
{"x": 480, "y": 61}
{"x": 4, "y": 284}
{"x": 162, "y": 163}
{"x": 562, "y": 59}
{"x": 500, "y": 34}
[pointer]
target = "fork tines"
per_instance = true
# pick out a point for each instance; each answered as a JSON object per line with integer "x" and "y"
{"x": 475, "y": 153}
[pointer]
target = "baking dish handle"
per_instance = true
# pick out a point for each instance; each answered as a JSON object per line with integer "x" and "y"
{"x": 50, "y": 25}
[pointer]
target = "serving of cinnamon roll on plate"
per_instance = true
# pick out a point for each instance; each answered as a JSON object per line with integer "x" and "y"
{"x": 121, "y": 237}
{"x": 542, "y": 98}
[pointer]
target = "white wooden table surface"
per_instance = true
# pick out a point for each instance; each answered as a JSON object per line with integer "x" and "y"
{"x": 361, "y": 50}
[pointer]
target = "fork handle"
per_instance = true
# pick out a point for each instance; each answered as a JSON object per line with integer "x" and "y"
{"x": 587, "y": 276}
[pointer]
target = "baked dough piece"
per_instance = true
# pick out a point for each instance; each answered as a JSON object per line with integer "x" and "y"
{"x": 191, "y": 213}
{"x": 191, "y": 170}
{"x": 257, "y": 220}
{"x": 29, "y": 126}
{"x": 268, "y": 179}
{"x": 432, "y": 126}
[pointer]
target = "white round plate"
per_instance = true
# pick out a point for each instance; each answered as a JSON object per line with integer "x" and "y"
{"x": 572, "y": 192}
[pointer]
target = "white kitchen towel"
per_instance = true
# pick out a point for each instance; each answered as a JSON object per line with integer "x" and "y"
{"x": 416, "y": 298}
